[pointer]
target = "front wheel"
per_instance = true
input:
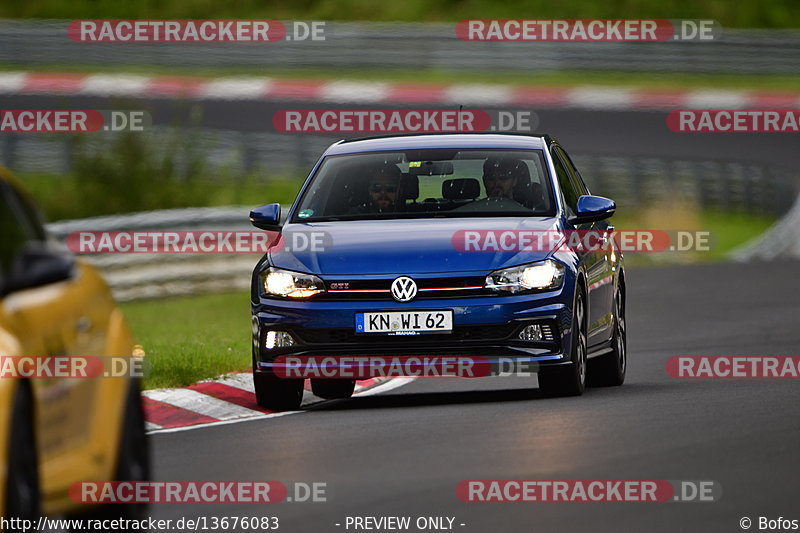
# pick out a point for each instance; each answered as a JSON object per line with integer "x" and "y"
{"x": 22, "y": 481}
{"x": 609, "y": 370}
{"x": 133, "y": 463}
{"x": 570, "y": 380}
{"x": 277, "y": 394}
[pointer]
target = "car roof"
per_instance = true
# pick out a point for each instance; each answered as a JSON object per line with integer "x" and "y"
{"x": 454, "y": 140}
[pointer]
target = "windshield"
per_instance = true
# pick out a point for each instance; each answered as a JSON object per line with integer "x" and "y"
{"x": 428, "y": 183}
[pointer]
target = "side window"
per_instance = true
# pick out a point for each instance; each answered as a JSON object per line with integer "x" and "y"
{"x": 577, "y": 179}
{"x": 15, "y": 231}
{"x": 33, "y": 218}
{"x": 566, "y": 185}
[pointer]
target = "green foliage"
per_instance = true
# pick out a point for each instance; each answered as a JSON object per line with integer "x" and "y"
{"x": 132, "y": 173}
{"x": 729, "y": 13}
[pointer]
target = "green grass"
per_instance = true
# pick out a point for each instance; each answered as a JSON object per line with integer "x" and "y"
{"x": 731, "y": 230}
{"x": 191, "y": 338}
{"x": 60, "y": 199}
{"x": 730, "y": 13}
{"x": 728, "y": 230}
{"x": 652, "y": 80}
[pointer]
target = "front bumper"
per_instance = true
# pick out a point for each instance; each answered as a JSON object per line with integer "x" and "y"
{"x": 483, "y": 327}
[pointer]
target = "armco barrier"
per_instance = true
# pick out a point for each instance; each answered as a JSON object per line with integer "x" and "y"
{"x": 140, "y": 276}
{"x": 417, "y": 46}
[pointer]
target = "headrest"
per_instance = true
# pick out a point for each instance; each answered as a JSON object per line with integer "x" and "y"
{"x": 508, "y": 165}
{"x": 409, "y": 187}
{"x": 461, "y": 189}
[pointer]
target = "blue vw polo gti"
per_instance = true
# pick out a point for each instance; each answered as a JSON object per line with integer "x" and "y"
{"x": 431, "y": 245}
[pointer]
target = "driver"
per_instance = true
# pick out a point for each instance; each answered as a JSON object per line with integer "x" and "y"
{"x": 502, "y": 176}
{"x": 383, "y": 188}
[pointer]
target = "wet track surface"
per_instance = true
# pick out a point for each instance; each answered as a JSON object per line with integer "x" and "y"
{"x": 402, "y": 453}
{"x": 613, "y": 132}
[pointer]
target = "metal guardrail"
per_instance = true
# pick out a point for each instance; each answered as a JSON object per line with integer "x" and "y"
{"x": 140, "y": 276}
{"x": 781, "y": 241}
{"x": 632, "y": 181}
{"x": 415, "y": 46}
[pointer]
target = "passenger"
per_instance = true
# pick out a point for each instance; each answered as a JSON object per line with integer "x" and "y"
{"x": 383, "y": 188}
{"x": 501, "y": 177}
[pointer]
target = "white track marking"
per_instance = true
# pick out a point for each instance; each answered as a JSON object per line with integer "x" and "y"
{"x": 479, "y": 94}
{"x": 200, "y": 403}
{"x": 236, "y": 88}
{"x": 12, "y": 82}
{"x": 716, "y": 99}
{"x": 600, "y": 98}
{"x": 115, "y": 85}
{"x": 242, "y": 381}
{"x": 349, "y": 91}
{"x": 384, "y": 387}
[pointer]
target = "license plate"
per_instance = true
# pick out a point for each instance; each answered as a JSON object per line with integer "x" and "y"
{"x": 405, "y": 322}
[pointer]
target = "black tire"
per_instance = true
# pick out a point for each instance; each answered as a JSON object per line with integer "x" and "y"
{"x": 570, "y": 380}
{"x": 133, "y": 461}
{"x": 22, "y": 481}
{"x": 609, "y": 370}
{"x": 333, "y": 389}
{"x": 277, "y": 394}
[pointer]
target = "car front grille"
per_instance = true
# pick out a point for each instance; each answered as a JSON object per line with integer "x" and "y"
{"x": 427, "y": 288}
{"x": 459, "y": 333}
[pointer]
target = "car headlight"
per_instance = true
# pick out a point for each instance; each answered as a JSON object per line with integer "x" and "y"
{"x": 546, "y": 275}
{"x": 288, "y": 284}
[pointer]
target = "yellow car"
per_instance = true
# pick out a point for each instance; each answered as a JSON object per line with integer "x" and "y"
{"x": 58, "y": 431}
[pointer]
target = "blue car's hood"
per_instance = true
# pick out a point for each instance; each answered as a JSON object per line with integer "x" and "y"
{"x": 410, "y": 246}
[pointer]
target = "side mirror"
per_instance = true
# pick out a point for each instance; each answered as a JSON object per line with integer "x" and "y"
{"x": 38, "y": 264}
{"x": 592, "y": 209}
{"x": 266, "y": 217}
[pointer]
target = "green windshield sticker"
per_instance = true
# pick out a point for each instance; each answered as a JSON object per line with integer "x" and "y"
{"x": 413, "y": 164}
{"x": 305, "y": 213}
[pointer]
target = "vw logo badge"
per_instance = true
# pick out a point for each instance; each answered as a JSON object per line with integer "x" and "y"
{"x": 404, "y": 289}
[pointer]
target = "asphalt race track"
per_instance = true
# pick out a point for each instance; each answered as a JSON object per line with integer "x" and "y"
{"x": 402, "y": 453}
{"x": 628, "y": 133}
